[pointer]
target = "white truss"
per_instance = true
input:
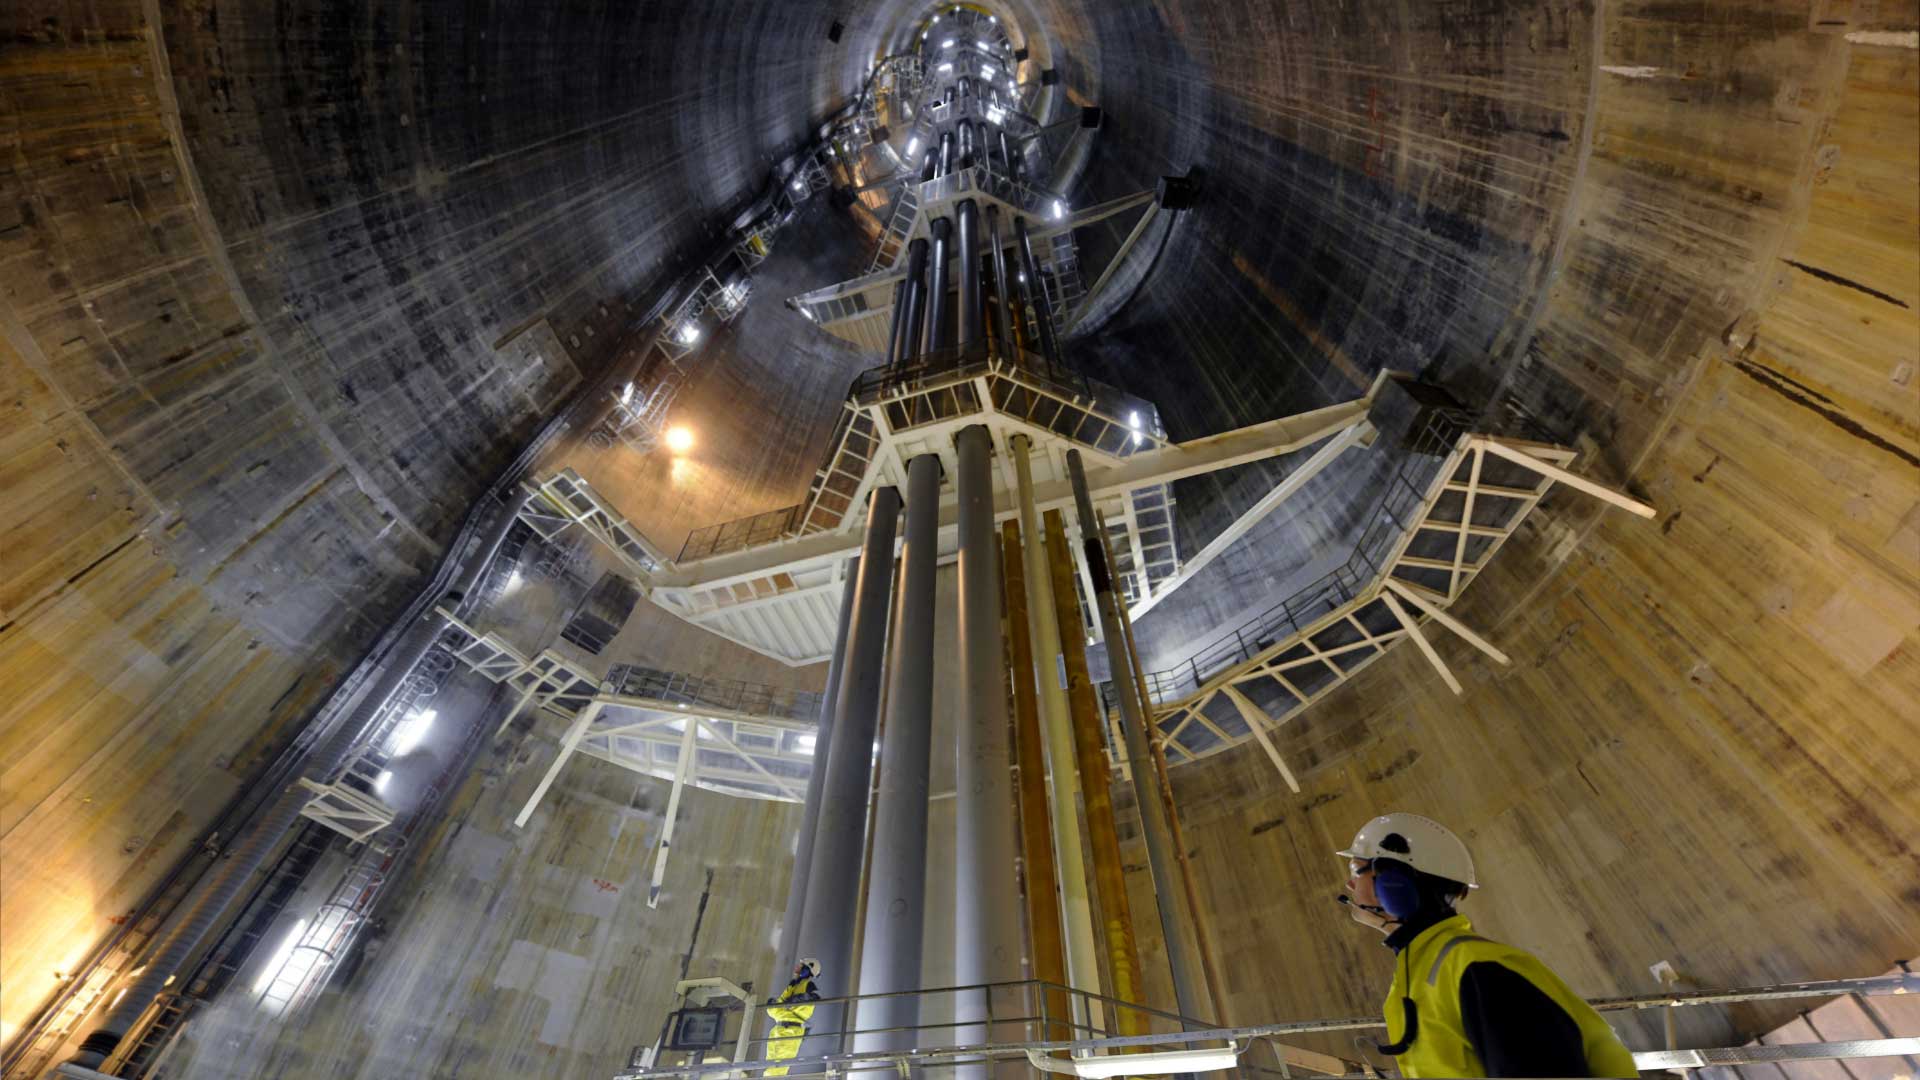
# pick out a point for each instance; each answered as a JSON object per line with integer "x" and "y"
{"x": 1465, "y": 517}
{"x": 346, "y": 804}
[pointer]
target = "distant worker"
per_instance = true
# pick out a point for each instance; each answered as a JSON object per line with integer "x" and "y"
{"x": 790, "y": 1012}
{"x": 1462, "y": 1005}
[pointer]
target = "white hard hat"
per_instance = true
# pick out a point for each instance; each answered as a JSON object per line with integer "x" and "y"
{"x": 812, "y": 966}
{"x": 1422, "y": 843}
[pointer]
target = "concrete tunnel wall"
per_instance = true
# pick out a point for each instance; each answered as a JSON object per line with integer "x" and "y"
{"x": 248, "y": 420}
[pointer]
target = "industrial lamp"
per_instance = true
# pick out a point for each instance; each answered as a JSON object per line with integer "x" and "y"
{"x": 679, "y": 439}
{"x": 1163, "y": 1063}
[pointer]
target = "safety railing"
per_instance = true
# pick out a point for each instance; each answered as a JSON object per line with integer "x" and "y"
{"x": 1395, "y": 513}
{"x": 939, "y": 386}
{"x": 701, "y": 693}
{"x": 1051, "y": 1025}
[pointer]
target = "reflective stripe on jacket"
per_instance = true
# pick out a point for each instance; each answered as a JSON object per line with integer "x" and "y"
{"x": 802, "y": 993}
{"x": 1436, "y": 960}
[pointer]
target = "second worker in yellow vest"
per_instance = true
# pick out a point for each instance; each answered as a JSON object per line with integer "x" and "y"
{"x": 1463, "y": 1005}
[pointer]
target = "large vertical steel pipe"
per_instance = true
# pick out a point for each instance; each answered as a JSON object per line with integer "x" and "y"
{"x": 966, "y": 143}
{"x": 784, "y": 958}
{"x": 1158, "y": 747}
{"x": 1036, "y": 842}
{"x": 1011, "y": 163}
{"x": 897, "y": 880}
{"x": 909, "y": 345}
{"x": 967, "y": 248}
{"x": 1090, "y": 753}
{"x": 946, "y": 152}
{"x": 1153, "y": 817}
{"x": 1002, "y": 286}
{"x": 936, "y": 335}
{"x": 1076, "y": 911}
{"x": 986, "y": 921}
{"x": 833, "y": 881}
{"x": 1036, "y": 293}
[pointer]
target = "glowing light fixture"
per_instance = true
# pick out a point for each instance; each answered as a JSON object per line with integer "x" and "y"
{"x": 912, "y": 145}
{"x": 1059, "y": 211}
{"x": 679, "y": 439}
{"x": 803, "y": 744}
{"x": 946, "y": 68}
{"x": 280, "y": 955}
{"x": 1133, "y": 421}
{"x": 986, "y": 71}
{"x": 380, "y": 782}
{"x": 947, "y": 44}
{"x": 1212, "y": 1059}
{"x": 689, "y": 334}
{"x": 411, "y": 730}
{"x": 995, "y": 114}
{"x": 626, "y": 393}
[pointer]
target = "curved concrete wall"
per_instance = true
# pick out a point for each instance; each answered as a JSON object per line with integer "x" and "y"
{"x": 250, "y": 416}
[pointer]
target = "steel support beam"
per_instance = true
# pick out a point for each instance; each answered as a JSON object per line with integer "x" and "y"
{"x": 1153, "y": 816}
{"x": 937, "y": 306}
{"x": 833, "y": 881}
{"x": 967, "y": 246}
{"x": 896, "y": 882}
{"x": 683, "y": 771}
{"x": 986, "y": 918}
{"x": 1258, "y": 722}
{"x": 1090, "y": 753}
{"x": 1042, "y": 884}
{"x": 1076, "y": 910}
{"x": 816, "y": 779}
{"x": 1002, "y": 290}
{"x": 1412, "y": 627}
{"x": 911, "y": 333}
{"x": 1036, "y": 293}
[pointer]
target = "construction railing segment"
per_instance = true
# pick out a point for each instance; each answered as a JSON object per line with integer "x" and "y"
{"x": 1447, "y": 509}
{"x": 1022, "y": 1028}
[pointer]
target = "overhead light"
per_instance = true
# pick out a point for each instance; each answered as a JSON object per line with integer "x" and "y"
{"x": 411, "y": 730}
{"x": 1133, "y": 421}
{"x": 912, "y": 145}
{"x": 946, "y": 67}
{"x": 996, "y": 115}
{"x": 380, "y": 782}
{"x": 986, "y": 71}
{"x": 1059, "y": 211}
{"x": 280, "y": 955}
{"x": 679, "y": 439}
{"x": 994, "y": 19}
{"x": 1165, "y": 1062}
{"x": 626, "y": 392}
{"x": 689, "y": 334}
{"x": 803, "y": 744}
{"x": 799, "y": 185}
{"x": 513, "y": 581}
{"x": 947, "y": 44}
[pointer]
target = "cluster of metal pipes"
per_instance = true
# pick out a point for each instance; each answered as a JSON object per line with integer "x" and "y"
{"x": 887, "y": 636}
{"x": 925, "y": 320}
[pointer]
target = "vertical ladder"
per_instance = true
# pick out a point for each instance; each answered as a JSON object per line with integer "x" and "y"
{"x": 899, "y": 227}
{"x": 1065, "y": 289}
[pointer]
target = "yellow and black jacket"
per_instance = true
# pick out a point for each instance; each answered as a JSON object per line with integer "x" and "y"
{"x": 1488, "y": 1009}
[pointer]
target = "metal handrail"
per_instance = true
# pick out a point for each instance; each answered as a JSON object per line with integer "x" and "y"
{"x": 851, "y": 1061}
{"x": 730, "y": 695}
{"x": 1389, "y": 519}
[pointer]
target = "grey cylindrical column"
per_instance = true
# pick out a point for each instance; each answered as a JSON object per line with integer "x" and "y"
{"x": 1153, "y": 815}
{"x": 942, "y": 230}
{"x": 259, "y": 840}
{"x": 1036, "y": 293}
{"x": 897, "y": 328}
{"x": 946, "y": 152}
{"x": 897, "y": 881}
{"x": 839, "y": 840}
{"x": 1002, "y": 285}
{"x": 909, "y": 344}
{"x": 1006, "y": 157}
{"x": 784, "y": 959}
{"x": 967, "y": 246}
{"x": 986, "y": 933}
{"x": 966, "y": 143}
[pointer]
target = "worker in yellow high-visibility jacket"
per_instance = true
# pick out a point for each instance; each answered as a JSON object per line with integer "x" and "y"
{"x": 790, "y": 1012}
{"x": 1463, "y": 1005}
